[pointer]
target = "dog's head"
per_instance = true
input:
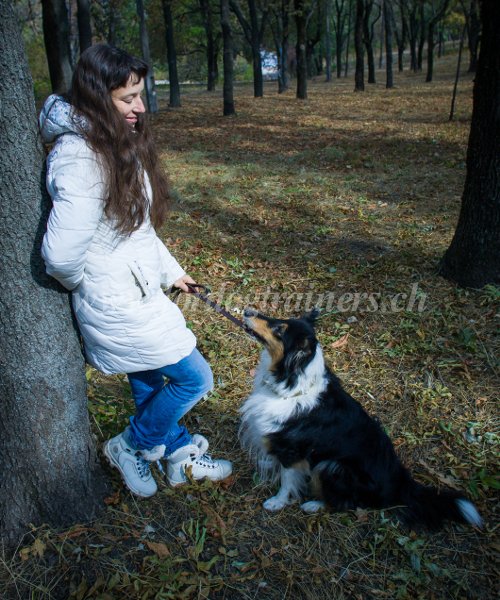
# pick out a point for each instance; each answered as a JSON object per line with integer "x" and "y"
{"x": 291, "y": 343}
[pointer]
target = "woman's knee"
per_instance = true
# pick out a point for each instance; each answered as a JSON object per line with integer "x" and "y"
{"x": 193, "y": 372}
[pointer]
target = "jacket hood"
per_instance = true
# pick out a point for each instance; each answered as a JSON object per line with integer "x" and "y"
{"x": 58, "y": 117}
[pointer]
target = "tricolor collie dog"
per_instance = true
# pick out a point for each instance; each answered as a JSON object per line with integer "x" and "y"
{"x": 302, "y": 427}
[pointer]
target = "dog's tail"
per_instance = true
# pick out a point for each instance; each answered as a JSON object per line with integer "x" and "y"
{"x": 427, "y": 506}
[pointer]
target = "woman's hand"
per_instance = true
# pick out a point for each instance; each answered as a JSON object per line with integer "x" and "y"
{"x": 181, "y": 282}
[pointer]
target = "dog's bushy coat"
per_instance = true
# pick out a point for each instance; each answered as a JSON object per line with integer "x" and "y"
{"x": 301, "y": 425}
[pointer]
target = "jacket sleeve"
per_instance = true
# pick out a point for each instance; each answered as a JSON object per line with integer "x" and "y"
{"x": 171, "y": 270}
{"x": 75, "y": 184}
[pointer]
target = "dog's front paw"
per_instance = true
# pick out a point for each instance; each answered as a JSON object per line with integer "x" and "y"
{"x": 312, "y": 506}
{"x": 274, "y": 503}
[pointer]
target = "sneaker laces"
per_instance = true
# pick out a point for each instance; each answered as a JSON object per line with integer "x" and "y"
{"x": 205, "y": 460}
{"x": 142, "y": 465}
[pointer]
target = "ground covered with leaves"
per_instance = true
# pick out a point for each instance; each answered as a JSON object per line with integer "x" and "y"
{"x": 346, "y": 201}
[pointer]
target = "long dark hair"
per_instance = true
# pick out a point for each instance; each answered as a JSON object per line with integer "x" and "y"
{"x": 124, "y": 154}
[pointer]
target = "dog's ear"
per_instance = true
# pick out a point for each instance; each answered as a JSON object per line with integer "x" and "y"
{"x": 312, "y": 316}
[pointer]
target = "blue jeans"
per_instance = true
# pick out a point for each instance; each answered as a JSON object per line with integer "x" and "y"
{"x": 160, "y": 405}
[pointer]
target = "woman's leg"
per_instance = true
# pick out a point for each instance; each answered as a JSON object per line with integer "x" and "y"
{"x": 160, "y": 406}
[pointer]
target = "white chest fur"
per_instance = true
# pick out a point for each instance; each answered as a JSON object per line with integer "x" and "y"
{"x": 271, "y": 404}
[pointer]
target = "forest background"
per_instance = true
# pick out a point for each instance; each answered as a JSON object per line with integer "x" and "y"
{"x": 345, "y": 195}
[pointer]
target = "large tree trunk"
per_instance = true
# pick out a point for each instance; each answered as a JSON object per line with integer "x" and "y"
{"x": 300, "y": 49}
{"x": 359, "y": 76}
{"x": 175, "y": 90}
{"x": 150, "y": 79}
{"x": 227, "y": 38}
{"x": 84, "y": 26}
{"x": 57, "y": 47}
{"x": 472, "y": 260}
{"x": 49, "y": 471}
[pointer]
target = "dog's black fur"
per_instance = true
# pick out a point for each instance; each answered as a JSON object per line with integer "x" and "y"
{"x": 350, "y": 459}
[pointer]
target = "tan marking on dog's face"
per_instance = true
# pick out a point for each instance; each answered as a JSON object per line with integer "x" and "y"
{"x": 273, "y": 344}
{"x": 266, "y": 443}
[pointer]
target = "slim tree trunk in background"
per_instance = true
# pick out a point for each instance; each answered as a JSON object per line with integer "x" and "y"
{"x": 280, "y": 31}
{"x": 257, "y": 35}
{"x": 254, "y": 33}
{"x": 339, "y": 22}
{"x": 472, "y": 258}
{"x": 113, "y": 21}
{"x": 206, "y": 14}
{"x": 413, "y": 36}
{"x": 474, "y": 30}
{"x": 227, "y": 38}
{"x": 175, "y": 90}
{"x": 348, "y": 39}
{"x": 368, "y": 39}
{"x": 388, "y": 20}
{"x": 84, "y": 26}
{"x": 431, "y": 27}
{"x": 300, "y": 49}
{"x": 359, "y": 76}
{"x": 57, "y": 47}
{"x": 457, "y": 74}
{"x": 382, "y": 36}
{"x": 400, "y": 38}
{"x": 49, "y": 468}
{"x": 150, "y": 79}
{"x": 421, "y": 38}
{"x": 328, "y": 41}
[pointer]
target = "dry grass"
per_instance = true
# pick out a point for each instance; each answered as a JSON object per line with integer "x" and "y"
{"x": 344, "y": 193}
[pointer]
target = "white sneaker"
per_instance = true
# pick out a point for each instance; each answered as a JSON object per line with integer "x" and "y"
{"x": 133, "y": 467}
{"x": 194, "y": 457}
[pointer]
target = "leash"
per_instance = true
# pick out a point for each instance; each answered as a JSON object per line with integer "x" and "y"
{"x": 203, "y": 296}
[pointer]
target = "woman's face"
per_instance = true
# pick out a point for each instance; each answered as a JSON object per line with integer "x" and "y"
{"x": 128, "y": 100}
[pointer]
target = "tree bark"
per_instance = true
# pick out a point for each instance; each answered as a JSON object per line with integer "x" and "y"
{"x": 150, "y": 79}
{"x": 300, "y": 49}
{"x": 173, "y": 77}
{"x": 430, "y": 38}
{"x": 400, "y": 38}
{"x": 348, "y": 40}
{"x": 368, "y": 40}
{"x": 339, "y": 24}
{"x": 57, "y": 47}
{"x": 474, "y": 30}
{"x": 472, "y": 260}
{"x": 328, "y": 41}
{"x": 206, "y": 13}
{"x": 84, "y": 26}
{"x": 388, "y": 20}
{"x": 227, "y": 38}
{"x": 280, "y": 34}
{"x": 254, "y": 33}
{"x": 359, "y": 76}
{"x": 49, "y": 469}
{"x": 422, "y": 36}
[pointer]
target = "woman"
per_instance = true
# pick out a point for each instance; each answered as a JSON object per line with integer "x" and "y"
{"x": 108, "y": 195}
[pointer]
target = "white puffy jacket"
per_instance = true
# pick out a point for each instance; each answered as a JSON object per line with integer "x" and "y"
{"x": 126, "y": 321}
